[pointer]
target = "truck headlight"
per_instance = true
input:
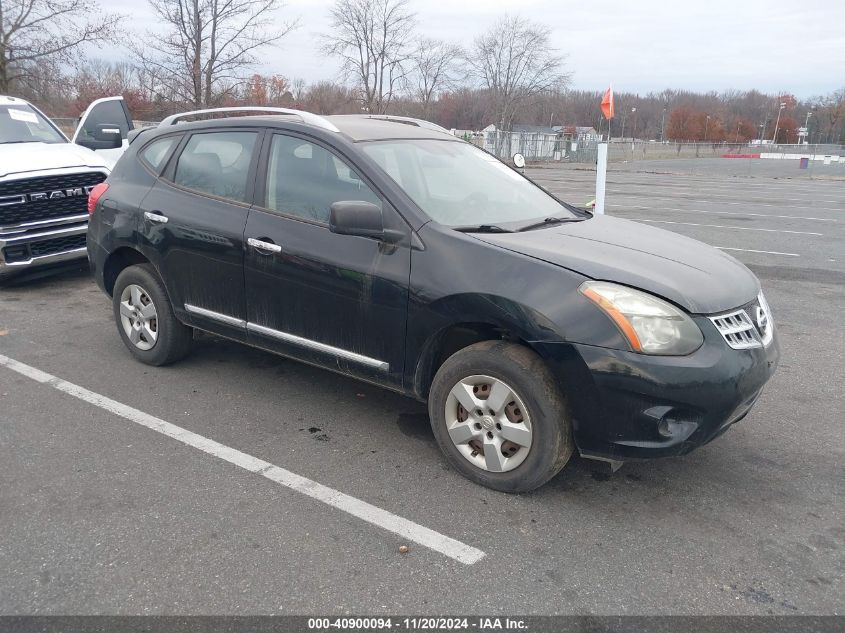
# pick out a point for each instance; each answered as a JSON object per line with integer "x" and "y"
{"x": 650, "y": 325}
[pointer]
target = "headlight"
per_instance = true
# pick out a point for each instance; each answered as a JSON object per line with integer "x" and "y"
{"x": 650, "y": 325}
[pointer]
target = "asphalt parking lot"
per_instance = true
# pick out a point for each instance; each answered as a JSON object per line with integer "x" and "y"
{"x": 102, "y": 513}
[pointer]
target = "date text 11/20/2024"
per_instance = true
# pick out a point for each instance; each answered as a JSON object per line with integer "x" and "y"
{"x": 417, "y": 624}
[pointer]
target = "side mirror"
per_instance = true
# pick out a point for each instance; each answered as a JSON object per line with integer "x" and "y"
{"x": 103, "y": 136}
{"x": 356, "y": 217}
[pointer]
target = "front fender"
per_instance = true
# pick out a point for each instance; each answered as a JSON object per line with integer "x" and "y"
{"x": 459, "y": 279}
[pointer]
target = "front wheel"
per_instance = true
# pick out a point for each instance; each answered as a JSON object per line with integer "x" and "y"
{"x": 499, "y": 416}
{"x": 145, "y": 318}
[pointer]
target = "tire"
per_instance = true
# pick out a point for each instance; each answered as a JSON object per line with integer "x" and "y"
{"x": 153, "y": 335}
{"x": 533, "y": 404}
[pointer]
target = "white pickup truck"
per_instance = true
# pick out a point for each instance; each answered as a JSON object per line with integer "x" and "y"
{"x": 45, "y": 179}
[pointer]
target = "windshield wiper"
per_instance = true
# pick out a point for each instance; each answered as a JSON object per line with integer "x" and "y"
{"x": 549, "y": 222}
{"x": 482, "y": 228}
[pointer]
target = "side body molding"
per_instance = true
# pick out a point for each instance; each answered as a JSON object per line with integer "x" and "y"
{"x": 288, "y": 338}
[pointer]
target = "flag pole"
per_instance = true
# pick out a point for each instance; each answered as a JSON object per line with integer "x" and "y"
{"x": 601, "y": 158}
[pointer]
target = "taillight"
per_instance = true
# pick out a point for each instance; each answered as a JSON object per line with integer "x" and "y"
{"x": 94, "y": 196}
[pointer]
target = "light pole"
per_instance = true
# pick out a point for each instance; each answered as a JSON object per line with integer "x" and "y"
{"x": 706, "y": 126}
{"x": 663, "y": 126}
{"x": 777, "y": 122}
{"x": 806, "y": 133}
{"x": 633, "y": 131}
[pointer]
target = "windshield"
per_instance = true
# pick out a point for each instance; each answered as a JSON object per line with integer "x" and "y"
{"x": 457, "y": 184}
{"x": 22, "y": 124}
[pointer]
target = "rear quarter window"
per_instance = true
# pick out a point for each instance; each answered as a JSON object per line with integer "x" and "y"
{"x": 155, "y": 153}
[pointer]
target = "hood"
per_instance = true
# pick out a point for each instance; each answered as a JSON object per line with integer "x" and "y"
{"x": 698, "y": 277}
{"x": 18, "y": 158}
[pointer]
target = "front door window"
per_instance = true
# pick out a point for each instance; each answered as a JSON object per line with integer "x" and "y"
{"x": 304, "y": 180}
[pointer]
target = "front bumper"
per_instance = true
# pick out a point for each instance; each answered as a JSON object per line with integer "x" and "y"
{"x": 633, "y": 406}
{"x": 40, "y": 244}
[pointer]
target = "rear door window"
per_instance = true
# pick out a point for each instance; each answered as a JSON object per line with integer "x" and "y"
{"x": 217, "y": 163}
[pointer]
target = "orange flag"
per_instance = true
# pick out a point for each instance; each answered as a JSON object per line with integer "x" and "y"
{"x": 607, "y": 104}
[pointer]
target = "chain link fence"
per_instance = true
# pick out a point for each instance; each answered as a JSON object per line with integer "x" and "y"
{"x": 540, "y": 147}
{"x": 535, "y": 146}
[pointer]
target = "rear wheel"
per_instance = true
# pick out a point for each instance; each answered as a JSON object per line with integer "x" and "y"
{"x": 499, "y": 416}
{"x": 145, "y": 318}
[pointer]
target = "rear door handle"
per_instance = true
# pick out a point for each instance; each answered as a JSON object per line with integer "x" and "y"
{"x": 264, "y": 247}
{"x": 155, "y": 217}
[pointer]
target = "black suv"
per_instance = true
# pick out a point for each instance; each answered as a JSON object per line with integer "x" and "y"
{"x": 388, "y": 250}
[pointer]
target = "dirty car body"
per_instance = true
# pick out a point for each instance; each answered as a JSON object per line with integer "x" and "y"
{"x": 391, "y": 307}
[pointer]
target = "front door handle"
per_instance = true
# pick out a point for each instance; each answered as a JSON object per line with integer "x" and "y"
{"x": 155, "y": 216}
{"x": 265, "y": 247}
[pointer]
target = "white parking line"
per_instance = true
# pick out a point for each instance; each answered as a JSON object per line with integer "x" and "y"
{"x": 730, "y": 191}
{"x": 361, "y": 509}
{"x": 742, "y": 203}
{"x": 722, "y": 226}
{"x": 751, "y": 250}
{"x": 759, "y": 215}
{"x": 626, "y": 194}
{"x": 616, "y": 195}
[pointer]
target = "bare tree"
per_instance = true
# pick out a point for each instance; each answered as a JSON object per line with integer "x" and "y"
{"x": 830, "y": 112}
{"x": 326, "y": 97}
{"x": 516, "y": 61}
{"x": 47, "y": 86}
{"x": 298, "y": 89}
{"x": 206, "y": 46}
{"x": 434, "y": 67}
{"x": 38, "y": 32}
{"x": 372, "y": 39}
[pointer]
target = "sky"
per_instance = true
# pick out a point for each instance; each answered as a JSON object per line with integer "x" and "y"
{"x": 638, "y": 45}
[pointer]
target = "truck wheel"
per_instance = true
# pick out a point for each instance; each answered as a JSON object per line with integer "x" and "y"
{"x": 145, "y": 318}
{"x": 498, "y": 415}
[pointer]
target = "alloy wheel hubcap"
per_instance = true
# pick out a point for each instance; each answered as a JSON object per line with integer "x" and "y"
{"x": 138, "y": 317}
{"x": 488, "y": 423}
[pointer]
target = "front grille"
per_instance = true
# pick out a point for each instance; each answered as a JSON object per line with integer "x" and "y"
{"x": 742, "y": 331}
{"x": 16, "y": 207}
{"x": 737, "y": 329}
{"x": 25, "y": 252}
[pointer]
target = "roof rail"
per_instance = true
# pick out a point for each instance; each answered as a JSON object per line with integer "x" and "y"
{"x": 428, "y": 125}
{"x": 307, "y": 117}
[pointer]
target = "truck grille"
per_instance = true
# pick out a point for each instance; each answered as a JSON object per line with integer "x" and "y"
{"x": 25, "y": 252}
{"x": 57, "y": 245}
{"x": 741, "y": 331}
{"x": 18, "y": 206}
